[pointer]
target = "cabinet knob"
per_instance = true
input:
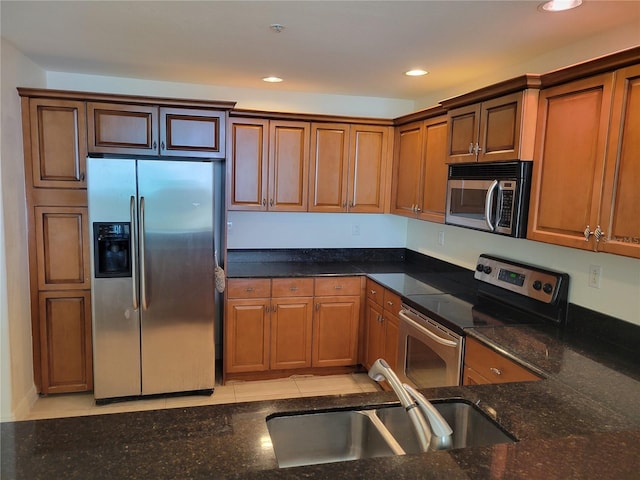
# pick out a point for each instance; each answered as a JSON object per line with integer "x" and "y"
{"x": 598, "y": 234}
{"x": 162, "y": 145}
{"x": 271, "y": 202}
{"x": 249, "y": 289}
{"x": 155, "y": 144}
{"x": 390, "y": 303}
{"x": 471, "y": 147}
{"x": 587, "y": 233}
{"x": 495, "y": 370}
{"x": 373, "y": 292}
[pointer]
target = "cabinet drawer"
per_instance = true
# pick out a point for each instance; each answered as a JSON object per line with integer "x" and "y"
{"x": 493, "y": 366}
{"x": 292, "y": 287}
{"x": 392, "y": 302}
{"x": 337, "y": 286}
{"x": 248, "y": 288}
{"x": 375, "y": 292}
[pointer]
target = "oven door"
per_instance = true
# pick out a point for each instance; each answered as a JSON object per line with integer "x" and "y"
{"x": 471, "y": 203}
{"x": 429, "y": 355}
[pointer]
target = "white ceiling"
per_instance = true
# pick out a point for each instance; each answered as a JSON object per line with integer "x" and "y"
{"x": 338, "y": 47}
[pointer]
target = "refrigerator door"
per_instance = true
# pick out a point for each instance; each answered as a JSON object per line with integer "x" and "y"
{"x": 176, "y": 275}
{"x": 111, "y": 186}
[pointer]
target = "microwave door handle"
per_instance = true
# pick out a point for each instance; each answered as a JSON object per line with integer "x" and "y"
{"x": 488, "y": 205}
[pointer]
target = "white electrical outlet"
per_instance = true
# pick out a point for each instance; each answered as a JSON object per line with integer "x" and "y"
{"x": 441, "y": 238}
{"x": 355, "y": 229}
{"x": 595, "y": 273}
{"x": 229, "y": 227}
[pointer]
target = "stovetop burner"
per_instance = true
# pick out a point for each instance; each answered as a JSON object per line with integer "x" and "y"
{"x": 509, "y": 293}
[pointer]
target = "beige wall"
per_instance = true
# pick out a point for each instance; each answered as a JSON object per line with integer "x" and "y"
{"x": 18, "y": 390}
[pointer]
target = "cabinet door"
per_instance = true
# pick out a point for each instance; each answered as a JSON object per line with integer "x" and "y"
{"x": 500, "y": 125}
{"x": 62, "y": 245}
{"x": 122, "y": 129}
{"x": 463, "y": 133}
{"x": 335, "y": 331}
{"x": 291, "y": 325}
{"x": 391, "y": 339}
{"x": 58, "y": 143}
{"x": 188, "y": 132}
{"x": 407, "y": 169}
{"x": 329, "y": 167}
{"x": 571, "y": 137}
{"x": 434, "y": 180}
{"x": 246, "y": 333}
{"x": 374, "y": 334}
{"x": 288, "y": 166}
{"x": 65, "y": 341}
{"x": 247, "y": 166}
{"x": 368, "y": 161}
{"x": 620, "y": 217}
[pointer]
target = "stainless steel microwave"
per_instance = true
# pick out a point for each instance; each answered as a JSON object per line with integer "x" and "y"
{"x": 493, "y": 197}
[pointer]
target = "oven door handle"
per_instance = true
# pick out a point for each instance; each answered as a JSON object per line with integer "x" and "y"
{"x": 430, "y": 334}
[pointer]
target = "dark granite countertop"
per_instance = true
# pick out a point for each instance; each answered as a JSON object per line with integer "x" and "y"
{"x": 582, "y": 421}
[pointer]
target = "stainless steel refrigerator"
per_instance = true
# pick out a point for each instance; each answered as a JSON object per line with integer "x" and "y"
{"x": 152, "y": 276}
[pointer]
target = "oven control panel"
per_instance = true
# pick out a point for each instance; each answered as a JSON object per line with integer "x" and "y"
{"x": 533, "y": 282}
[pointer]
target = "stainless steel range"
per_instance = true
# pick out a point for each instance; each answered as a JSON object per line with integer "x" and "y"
{"x": 433, "y": 322}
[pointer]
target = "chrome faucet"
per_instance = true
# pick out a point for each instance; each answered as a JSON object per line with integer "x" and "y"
{"x": 432, "y": 431}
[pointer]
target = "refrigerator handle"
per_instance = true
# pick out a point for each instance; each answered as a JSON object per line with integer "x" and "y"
{"x": 141, "y": 253}
{"x": 134, "y": 250}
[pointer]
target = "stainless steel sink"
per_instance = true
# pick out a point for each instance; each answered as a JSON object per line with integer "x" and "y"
{"x": 471, "y": 427}
{"x": 365, "y": 432}
{"x": 313, "y": 438}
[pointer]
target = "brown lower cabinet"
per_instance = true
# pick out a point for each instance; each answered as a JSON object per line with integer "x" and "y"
{"x": 288, "y": 324}
{"x": 65, "y": 341}
{"x": 483, "y": 365}
{"x": 381, "y": 325}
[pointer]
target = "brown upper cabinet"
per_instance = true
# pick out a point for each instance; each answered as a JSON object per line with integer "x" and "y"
{"x": 268, "y": 167}
{"x": 498, "y": 129}
{"x": 58, "y": 143}
{"x": 584, "y": 191}
{"x": 349, "y": 165}
{"x": 420, "y": 170}
{"x": 123, "y": 129}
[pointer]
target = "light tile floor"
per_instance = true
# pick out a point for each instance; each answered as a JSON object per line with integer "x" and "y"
{"x": 79, "y": 404}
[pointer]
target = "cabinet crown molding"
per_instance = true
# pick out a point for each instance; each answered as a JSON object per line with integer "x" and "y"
{"x": 125, "y": 99}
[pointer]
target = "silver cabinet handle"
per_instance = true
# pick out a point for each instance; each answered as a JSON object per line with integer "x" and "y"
{"x": 271, "y": 202}
{"x": 418, "y": 209}
{"x": 598, "y": 234}
{"x": 143, "y": 270}
{"x": 477, "y": 149}
{"x": 390, "y": 303}
{"x": 155, "y": 145}
{"x": 338, "y": 287}
{"x": 471, "y": 147}
{"x": 373, "y": 292}
{"x": 293, "y": 289}
{"x": 264, "y": 202}
{"x": 162, "y": 145}
{"x": 249, "y": 289}
{"x": 495, "y": 370}
{"x": 134, "y": 251}
{"x": 488, "y": 205}
{"x": 587, "y": 233}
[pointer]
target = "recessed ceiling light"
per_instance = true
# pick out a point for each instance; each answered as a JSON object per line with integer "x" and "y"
{"x": 559, "y": 5}
{"x": 416, "y": 73}
{"x": 272, "y": 79}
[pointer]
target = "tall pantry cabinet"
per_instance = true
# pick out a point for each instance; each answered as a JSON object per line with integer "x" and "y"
{"x": 54, "y": 133}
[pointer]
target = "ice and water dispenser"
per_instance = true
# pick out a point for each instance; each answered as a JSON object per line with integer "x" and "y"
{"x": 112, "y": 249}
